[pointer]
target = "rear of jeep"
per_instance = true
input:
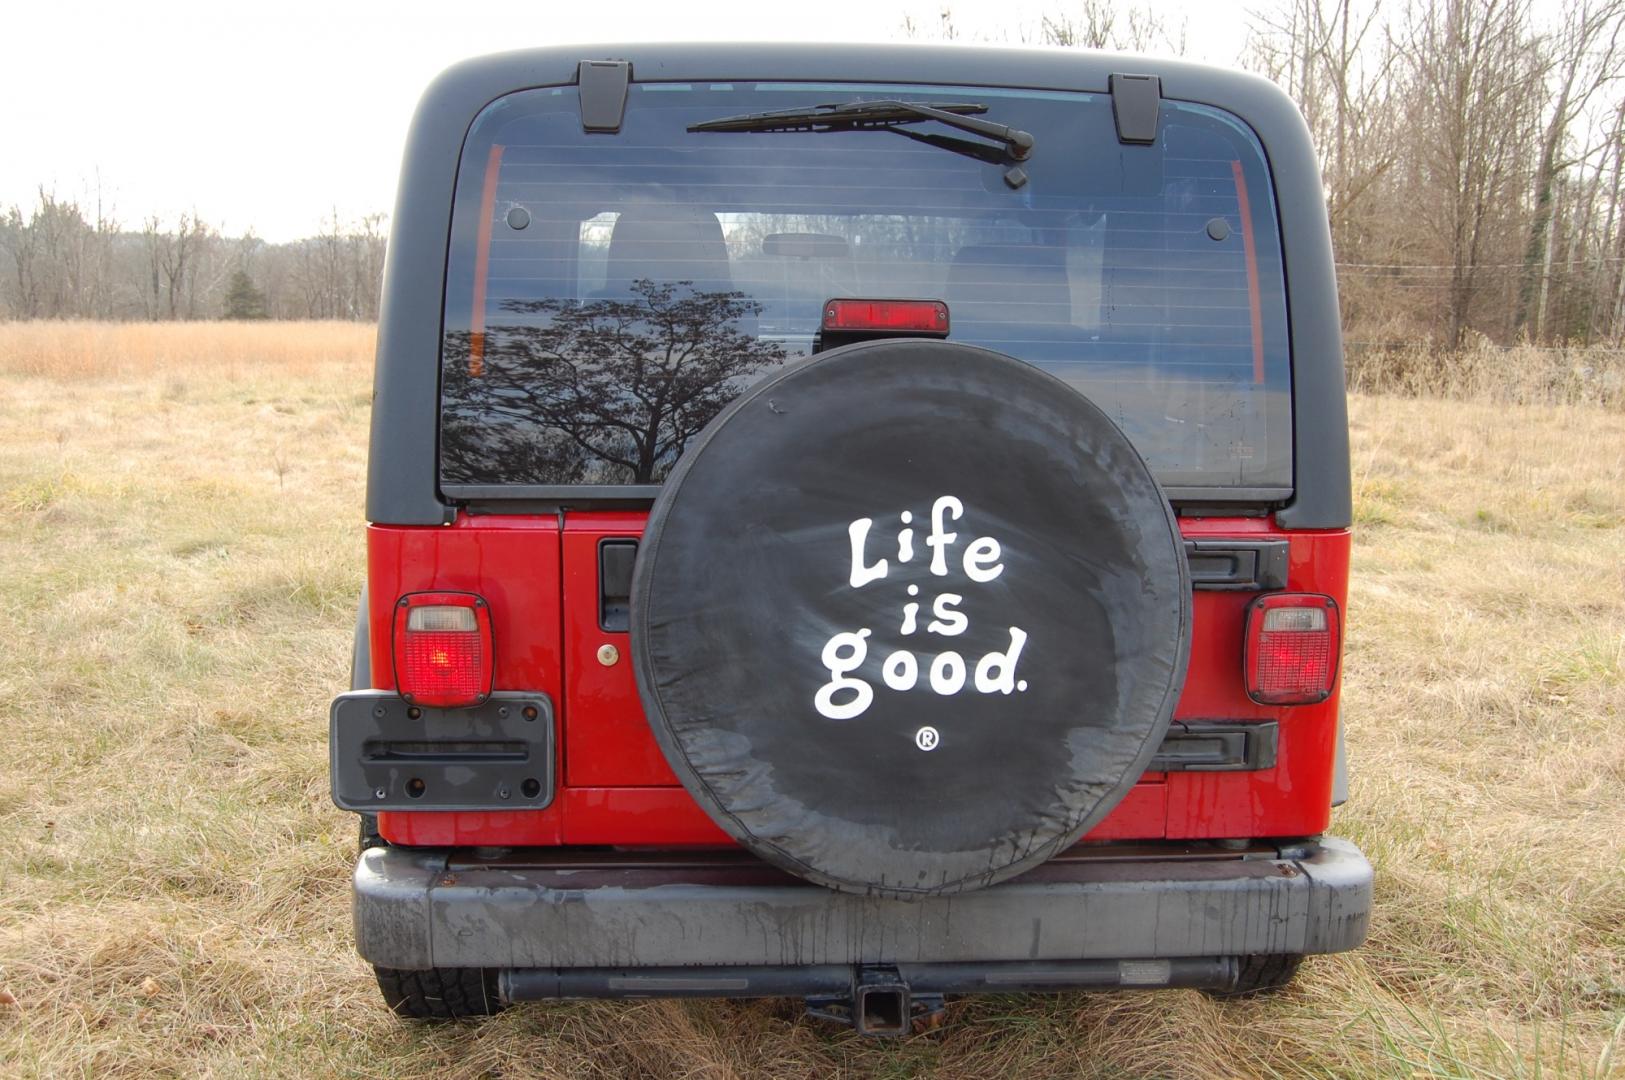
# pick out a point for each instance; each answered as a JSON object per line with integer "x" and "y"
{"x": 861, "y": 524}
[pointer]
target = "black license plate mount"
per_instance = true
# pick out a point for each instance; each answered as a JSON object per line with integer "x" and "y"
{"x": 388, "y": 754}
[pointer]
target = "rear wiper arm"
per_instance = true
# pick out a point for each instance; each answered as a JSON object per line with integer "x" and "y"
{"x": 886, "y": 116}
{"x": 855, "y": 115}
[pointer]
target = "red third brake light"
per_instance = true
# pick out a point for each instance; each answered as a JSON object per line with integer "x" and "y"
{"x": 890, "y": 316}
{"x": 442, "y": 646}
{"x": 1292, "y": 648}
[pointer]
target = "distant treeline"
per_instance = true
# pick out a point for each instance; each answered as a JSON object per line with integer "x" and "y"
{"x": 63, "y": 260}
{"x": 1472, "y": 152}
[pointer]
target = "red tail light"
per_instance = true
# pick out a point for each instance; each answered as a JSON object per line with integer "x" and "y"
{"x": 929, "y": 317}
{"x": 443, "y": 656}
{"x": 1293, "y": 642}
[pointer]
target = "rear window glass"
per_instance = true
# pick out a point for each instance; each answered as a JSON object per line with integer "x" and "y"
{"x": 607, "y": 295}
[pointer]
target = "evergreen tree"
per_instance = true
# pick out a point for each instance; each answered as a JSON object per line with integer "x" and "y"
{"x": 243, "y": 298}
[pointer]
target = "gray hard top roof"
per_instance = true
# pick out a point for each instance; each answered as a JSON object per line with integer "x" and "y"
{"x": 1032, "y": 67}
{"x": 402, "y": 474}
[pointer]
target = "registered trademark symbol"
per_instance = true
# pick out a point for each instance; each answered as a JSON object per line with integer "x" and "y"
{"x": 927, "y": 738}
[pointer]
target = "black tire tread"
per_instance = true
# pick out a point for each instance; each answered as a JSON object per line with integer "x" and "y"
{"x": 1262, "y": 975}
{"x": 368, "y": 833}
{"x": 440, "y": 993}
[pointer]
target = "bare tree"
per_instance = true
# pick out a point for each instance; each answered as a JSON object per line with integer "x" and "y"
{"x": 99, "y": 260}
{"x": 21, "y": 243}
{"x": 1101, "y": 24}
{"x": 1469, "y": 65}
{"x": 1332, "y": 58}
{"x": 944, "y": 30}
{"x": 1611, "y": 251}
{"x": 176, "y": 261}
{"x": 1588, "y": 57}
{"x": 366, "y": 266}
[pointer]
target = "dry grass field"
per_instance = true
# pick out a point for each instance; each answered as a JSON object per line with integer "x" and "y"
{"x": 180, "y": 552}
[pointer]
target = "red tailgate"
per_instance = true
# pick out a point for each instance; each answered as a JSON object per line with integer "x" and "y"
{"x": 542, "y": 578}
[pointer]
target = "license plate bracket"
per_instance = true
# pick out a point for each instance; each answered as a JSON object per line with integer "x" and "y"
{"x": 388, "y": 754}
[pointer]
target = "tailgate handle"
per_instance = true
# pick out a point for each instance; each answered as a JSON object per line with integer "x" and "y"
{"x": 1217, "y": 746}
{"x": 1238, "y": 565}
{"x": 615, "y": 559}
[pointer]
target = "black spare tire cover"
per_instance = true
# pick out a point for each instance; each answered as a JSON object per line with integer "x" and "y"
{"x": 909, "y": 617}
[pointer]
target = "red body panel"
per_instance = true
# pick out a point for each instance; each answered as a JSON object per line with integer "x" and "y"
{"x": 615, "y": 787}
{"x": 615, "y": 749}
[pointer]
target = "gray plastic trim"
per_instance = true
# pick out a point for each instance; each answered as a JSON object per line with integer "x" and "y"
{"x": 1136, "y": 105}
{"x": 403, "y": 460}
{"x": 418, "y": 909}
{"x": 361, "y": 649}
{"x": 603, "y": 93}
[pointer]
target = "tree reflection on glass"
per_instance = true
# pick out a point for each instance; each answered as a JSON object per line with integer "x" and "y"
{"x": 604, "y": 391}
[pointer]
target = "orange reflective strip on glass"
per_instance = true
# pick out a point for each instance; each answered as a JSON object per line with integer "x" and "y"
{"x": 482, "y": 263}
{"x": 1253, "y": 300}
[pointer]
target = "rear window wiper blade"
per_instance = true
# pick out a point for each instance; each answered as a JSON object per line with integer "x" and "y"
{"x": 1015, "y": 144}
{"x": 857, "y": 115}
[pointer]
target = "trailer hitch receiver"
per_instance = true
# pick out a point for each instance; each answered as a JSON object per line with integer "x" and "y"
{"x": 880, "y": 1004}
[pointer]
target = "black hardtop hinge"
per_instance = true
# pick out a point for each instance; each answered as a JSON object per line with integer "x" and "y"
{"x": 1136, "y": 101}
{"x": 603, "y": 86}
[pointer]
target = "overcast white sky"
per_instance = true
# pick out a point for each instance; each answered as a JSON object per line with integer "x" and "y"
{"x": 266, "y": 116}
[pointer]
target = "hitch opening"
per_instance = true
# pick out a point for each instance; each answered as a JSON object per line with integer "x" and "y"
{"x": 881, "y": 1003}
{"x": 881, "y": 1009}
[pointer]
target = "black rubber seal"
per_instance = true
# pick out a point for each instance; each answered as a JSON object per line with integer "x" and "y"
{"x": 744, "y": 586}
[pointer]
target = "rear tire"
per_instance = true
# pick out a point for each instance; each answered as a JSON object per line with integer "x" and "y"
{"x": 369, "y": 836}
{"x": 440, "y": 993}
{"x": 1262, "y": 975}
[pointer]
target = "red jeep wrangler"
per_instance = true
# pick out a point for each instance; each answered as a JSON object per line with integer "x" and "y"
{"x": 855, "y": 523}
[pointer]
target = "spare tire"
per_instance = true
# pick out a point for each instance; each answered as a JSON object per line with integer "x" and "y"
{"x": 909, "y": 617}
